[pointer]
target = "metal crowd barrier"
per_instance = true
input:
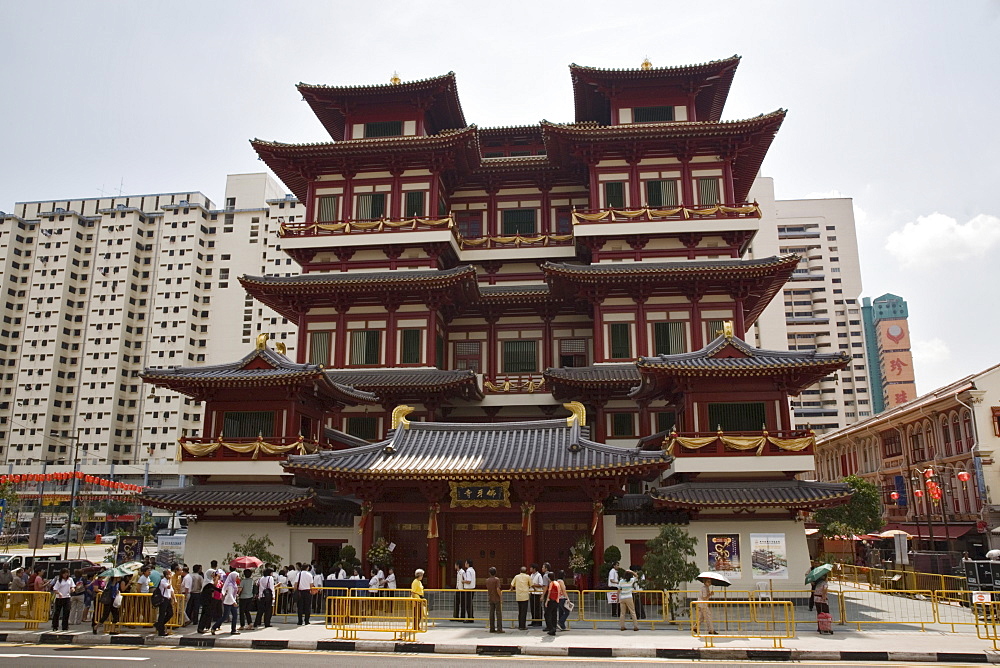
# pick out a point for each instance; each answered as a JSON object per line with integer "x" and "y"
{"x": 859, "y": 607}
{"x": 769, "y": 620}
{"x": 897, "y": 580}
{"x": 404, "y": 617}
{"x": 988, "y": 621}
{"x": 137, "y": 610}
{"x": 30, "y": 608}
{"x": 601, "y": 605}
{"x": 957, "y": 608}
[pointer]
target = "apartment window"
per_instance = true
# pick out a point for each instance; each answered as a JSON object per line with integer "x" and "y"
{"x": 327, "y": 210}
{"x": 620, "y": 334}
{"x": 410, "y": 342}
{"x": 248, "y": 424}
{"x": 622, "y": 424}
{"x": 413, "y": 206}
{"x": 737, "y": 416}
{"x": 891, "y": 445}
{"x": 660, "y": 114}
{"x": 520, "y": 356}
{"x": 384, "y": 129}
{"x": 572, "y": 352}
{"x": 708, "y": 191}
{"x": 668, "y": 338}
{"x": 518, "y": 221}
{"x": 467, "y": 355}
{"x": 661, "y": 193}
{"x": 319, "y": 348}
{"x": 470, "y": 223}
{"x": 371, "y": 206}
{"x": 614, "y": 195}
{"x": 365, "y": 346}
{"x": 365, "y": 427}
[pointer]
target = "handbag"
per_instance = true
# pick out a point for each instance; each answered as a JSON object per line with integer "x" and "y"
{"x": 217, "y": 594}
{"x": 569, "y": 605}
{"x": 118, "y": 601}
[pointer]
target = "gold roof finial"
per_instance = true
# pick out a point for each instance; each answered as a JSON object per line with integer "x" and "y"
{"x": 281, "y": 348}
{"x": 646, "y": 65}
{"x": 727, "y": 329}
{"x": 395, "y": 80}
{"x": 399, "y": 414}
{"x": 262, "y": 341}
{"x": 579, "y": 413}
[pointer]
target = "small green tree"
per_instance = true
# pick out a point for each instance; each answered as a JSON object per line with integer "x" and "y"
{"x": 861, "y": 515}
{"x": 666, "y": 565}
{"x": 349, "y": 556}
{"x": 255, "y": 546}
{"x": 611, "y": 555}
{"x": 8, "y": 494}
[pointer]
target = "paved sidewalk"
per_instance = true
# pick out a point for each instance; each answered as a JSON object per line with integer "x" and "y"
{"x": 845, "y": 645}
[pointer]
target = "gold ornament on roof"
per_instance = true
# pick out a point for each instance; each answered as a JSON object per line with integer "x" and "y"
{"x": 399, "y": 414}
{"x": 262, "y": 341}
{"x": 646, "y": 65}
{"x": 579, "y": 413}
{"x": 727, "y": 329}
{"x": 281, "y": 348}
{"x": 395, "y": 80}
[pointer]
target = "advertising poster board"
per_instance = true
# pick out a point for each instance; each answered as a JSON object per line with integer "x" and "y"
{"x": 724, "y": 554}
{"x": 129, "y": 548}
{"x": 769, "y": 556}
{"x": 170, "y": 549}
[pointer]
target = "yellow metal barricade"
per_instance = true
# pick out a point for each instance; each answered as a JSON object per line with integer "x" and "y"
{"x": 770, "y": 620}
{"x": 30, "y": 608}
{"x": 444, "y": 605}
{"x": 959, "y": 607}
{"x": 987, "y": 617}
{"x": 601, "y": 605}
{"x": 287, "y": 605}
{"x": 914, "y": 607}
{"x": 404, "y": 617}
{"x": 137, "y": 611}
{"x": 797, "y": 598}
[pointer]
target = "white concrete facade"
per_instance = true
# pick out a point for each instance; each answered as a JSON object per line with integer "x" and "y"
{"x": 820, "y": 307}
{"x": 96, "y": 288}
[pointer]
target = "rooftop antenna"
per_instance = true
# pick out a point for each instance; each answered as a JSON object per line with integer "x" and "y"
{"x": 121, "y": 187}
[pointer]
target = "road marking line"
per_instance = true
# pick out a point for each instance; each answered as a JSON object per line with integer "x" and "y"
{"x": 76, "y": 657}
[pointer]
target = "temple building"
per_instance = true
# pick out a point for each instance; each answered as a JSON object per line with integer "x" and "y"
{"x": 513, "y": 338}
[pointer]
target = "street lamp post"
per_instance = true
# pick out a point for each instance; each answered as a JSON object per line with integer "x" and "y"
{"x": 73, "y": 488}
{"x": 939, "y": 492}
{"x": 918, "y": 492}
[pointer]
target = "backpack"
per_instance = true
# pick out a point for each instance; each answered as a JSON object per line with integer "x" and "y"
{"x": 158, "y": 598}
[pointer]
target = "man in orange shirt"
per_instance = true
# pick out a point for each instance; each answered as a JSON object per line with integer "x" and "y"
{"x": 495, "y": 596}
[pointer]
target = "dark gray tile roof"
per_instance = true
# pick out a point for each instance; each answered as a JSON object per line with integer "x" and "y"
{"x": 373, "y": 379}
{"x": 470, "y": 450}
{"x": 761, "y": 493}
{"x": 363, "y": 278}
{"x": 328, "y": 512}
{"x": 594, "y": 272}
{"x": 222, "y": 497}
{"x": 754, "y": 357}
{"x": 337, "y": 436}
{"x": 615, "y": 374}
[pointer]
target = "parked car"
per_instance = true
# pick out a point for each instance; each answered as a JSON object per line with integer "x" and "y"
{"x": 58, "y": 535}
{"x": 164, "y": 532}
{"x": 53, "y": 567}
{"x": 109, "y": 539}
{"x": 15, "y": 561}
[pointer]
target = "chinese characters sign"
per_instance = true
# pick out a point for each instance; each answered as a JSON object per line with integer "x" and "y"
{"x": 480, "y": 494}
{"x": 769, "y": 556}
{"x": 724, "y": 554}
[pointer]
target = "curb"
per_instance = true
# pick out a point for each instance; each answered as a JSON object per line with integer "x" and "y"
{"x": 391, "y": 647}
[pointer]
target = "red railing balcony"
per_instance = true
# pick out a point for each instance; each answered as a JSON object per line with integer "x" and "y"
{"x": 271, "y": 448}
{"x": 665, "y": 213}
{"x": 744, "y": 443}
{"x": 515, "y": 241}
{"x": 365, "y": 226}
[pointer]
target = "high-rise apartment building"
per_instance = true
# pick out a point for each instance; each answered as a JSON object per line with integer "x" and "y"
{"x": 890, "y": 362}
{"x": 96, "y": 288}
{"x": 820, "y": 310}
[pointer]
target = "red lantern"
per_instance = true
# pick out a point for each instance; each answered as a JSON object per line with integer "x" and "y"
{"x": 918, "y": 493}
{"x": 929, "y": 473}
{"x": 894, "y": 496}
{"x": 963, "y": 476}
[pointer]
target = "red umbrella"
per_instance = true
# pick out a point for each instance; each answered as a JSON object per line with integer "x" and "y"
{"x": 245, "y": 562}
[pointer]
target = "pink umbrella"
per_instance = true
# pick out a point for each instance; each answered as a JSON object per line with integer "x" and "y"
{"x": 245, "y": 562}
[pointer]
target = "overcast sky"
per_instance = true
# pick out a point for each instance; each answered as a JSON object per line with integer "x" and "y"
{"x": 894, "y": 104}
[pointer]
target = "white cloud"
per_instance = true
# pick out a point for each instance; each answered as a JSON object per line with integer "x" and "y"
{"x": 932, "y": 364}
{"x": 938, "y": 239}
{"x": 930, "y": 351}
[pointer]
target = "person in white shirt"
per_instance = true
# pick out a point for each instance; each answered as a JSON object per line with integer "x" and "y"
{"x": 318, "y": 580}
{"x": 613, "y": 584}
{"x": 186, "y": 583}
{"x": 265, "y": 599}
{"x": 166, "y": 610}
{"x": 62, "y": 587}
{"x": 302, "y": 585}
{"x": 390, "y": 579}
{"x": 144, "y": 580}
{"x": 459, "y": 592}
{"x": 341, "y": 574}
{"x": 470, "y": 584}
{"x": 537, "y": 588}
{"x": 373, "y": 583}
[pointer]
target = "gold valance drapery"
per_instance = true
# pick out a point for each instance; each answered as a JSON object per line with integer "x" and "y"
{"x": 379, "y": 225}
{"x": 611, "y": 215}
{"x": 256, "y": 447}
{"x": 739, "y": 442}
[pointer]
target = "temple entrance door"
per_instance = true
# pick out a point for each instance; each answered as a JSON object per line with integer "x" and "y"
{"x": 409, "y": 533}
{"x": 325, "y": 556}
{"x": 490, "y": 540}
{"x": 558, "y": 533}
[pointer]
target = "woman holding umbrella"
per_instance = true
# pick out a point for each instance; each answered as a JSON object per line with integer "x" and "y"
{"x": 820, "y": 598}
{"x": 707, "y": 579}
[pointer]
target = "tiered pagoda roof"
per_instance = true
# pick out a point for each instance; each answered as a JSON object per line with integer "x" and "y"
{"x": 555, "y": 449}
{"x": 572, "y": 382}
{"x": 732, "y": 358}
{"x": 759, "y": 279}
{"x": 261, "y": 368}
{"x": 710, "y": 83}
{"x": 439, "y": 95}
{"x": 393, "y": 386}
{"x": 229, "y": 497}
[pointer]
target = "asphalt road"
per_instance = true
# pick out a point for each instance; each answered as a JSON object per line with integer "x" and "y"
{"x": 170, "y": 657}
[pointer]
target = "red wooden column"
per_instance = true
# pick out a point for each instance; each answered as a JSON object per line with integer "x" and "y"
{"x": 740, "y": 324}
{"x": 687, "y": 186}
{"x": 598, "y": 551}
{"x": 367, "y": 538}
{"x": 729, "y": 191}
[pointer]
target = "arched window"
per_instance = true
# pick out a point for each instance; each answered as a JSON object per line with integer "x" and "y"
{"x": 956, "y": 433}
{"x": 967, "y": 427}
{"x": 929, "y": 443}
{"x": 945, "y": 437}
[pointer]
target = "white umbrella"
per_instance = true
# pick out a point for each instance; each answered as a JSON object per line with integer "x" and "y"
{"x": 716, "y": 578}
{"x": 893, "y": 532}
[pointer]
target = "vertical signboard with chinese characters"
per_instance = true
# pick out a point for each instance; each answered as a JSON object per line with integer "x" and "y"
{"x": 896, "y": 361}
